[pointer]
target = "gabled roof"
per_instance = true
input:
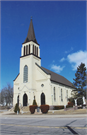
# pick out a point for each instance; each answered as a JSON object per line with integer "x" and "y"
{"x": 42, "y": 69}
{"x": 31, "y": 34}
{"x": 16, "y": 77}
{"x": 57, "y": 78}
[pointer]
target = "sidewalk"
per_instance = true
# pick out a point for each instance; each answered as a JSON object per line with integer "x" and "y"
{"x": 12, "y": 114}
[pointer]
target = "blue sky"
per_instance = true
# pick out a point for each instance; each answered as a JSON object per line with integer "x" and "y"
{"x": 60, "y": 29}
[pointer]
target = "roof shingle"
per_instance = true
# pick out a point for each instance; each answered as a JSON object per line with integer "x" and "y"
{"x": 31, "y": 34}
{"x": 58, "y": 78}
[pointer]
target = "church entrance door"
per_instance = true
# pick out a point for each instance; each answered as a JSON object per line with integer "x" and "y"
{"x": 25, "y": 100}
{"x": 42, "y": 99}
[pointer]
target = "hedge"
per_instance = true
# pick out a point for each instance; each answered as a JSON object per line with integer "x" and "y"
{"x": 67, "y": 106}
{"x": 32, "y": 108}
{"x": 58, "y": 107}
{"x": 44, "y": 108}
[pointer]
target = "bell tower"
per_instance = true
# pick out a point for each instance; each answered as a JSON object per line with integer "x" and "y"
{"x": 25, "y": 82}
{"x": 30, "y": 55}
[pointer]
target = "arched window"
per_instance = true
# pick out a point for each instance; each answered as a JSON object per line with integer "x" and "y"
{"x": 61, "y": 95}
{"x": 24, "y": 50}
{"x": 25, "y": 79}
{"x": 54, "y": 95}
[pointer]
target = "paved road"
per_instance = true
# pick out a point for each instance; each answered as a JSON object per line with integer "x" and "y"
{"x": 42, "y": 126}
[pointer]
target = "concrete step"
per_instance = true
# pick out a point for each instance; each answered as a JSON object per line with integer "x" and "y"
{"x": 24, "y": 108}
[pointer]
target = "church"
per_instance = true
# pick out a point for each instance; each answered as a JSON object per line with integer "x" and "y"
{"x": 37, "y": 82}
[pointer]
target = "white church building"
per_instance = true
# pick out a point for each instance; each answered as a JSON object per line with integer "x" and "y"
{"x": 35, "y": 81}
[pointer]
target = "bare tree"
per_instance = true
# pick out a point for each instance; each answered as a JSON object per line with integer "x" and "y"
{"x": 7, "y": 95}
{"x": 2, "y": 97}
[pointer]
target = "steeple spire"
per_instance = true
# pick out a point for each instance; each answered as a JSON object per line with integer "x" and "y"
{"x": 31, "y": 34}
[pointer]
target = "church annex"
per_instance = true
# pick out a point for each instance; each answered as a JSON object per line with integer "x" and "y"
{"x": 36, "y": 81}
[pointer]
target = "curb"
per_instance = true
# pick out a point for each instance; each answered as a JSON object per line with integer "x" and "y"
{"x": 44, "y": 115}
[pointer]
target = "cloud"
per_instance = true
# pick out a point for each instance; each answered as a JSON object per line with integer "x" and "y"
{"x": 53, "y": 61}
{"x": 56, "y": 68}
{"x": 76, "y": 58}
{"x": 69, "y": 50}
{"x": 62, "y": 59}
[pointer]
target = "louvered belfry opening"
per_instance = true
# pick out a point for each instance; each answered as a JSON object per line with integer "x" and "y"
{"x": 26, "y": 50}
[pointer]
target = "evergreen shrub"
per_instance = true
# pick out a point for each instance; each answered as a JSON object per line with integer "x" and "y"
{"x": 16, "y": 108}
{"x": 34, "y": 102}
{"x": 32, "y": 108}
{"x": 44, "y": 108}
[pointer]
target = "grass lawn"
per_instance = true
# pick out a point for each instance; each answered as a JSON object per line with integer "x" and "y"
{"x": 61, "y": 112}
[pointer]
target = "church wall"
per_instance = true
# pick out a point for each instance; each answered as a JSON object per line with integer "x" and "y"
{"x": 58, "y": 88}
{"x": 34, "y": 70}
{"x": 45, "y": 89}
{"x": 42, "y": 78}
{"x": 20, "y": 90}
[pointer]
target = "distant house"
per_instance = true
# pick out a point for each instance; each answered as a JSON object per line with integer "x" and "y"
{"x": 36, "y": 81}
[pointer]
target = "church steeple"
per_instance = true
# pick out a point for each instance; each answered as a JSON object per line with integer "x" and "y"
{"x": 30, "y": 46}
{"x": 31, "y": 34}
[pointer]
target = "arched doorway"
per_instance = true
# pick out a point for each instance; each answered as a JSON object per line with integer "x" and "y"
{"x": 42, "y": 99}
{"x": 18, "y": 99}
{"x": 25, "y": 100}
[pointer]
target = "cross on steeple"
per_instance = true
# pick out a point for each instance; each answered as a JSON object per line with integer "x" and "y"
{"x": 31, "y": 17}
